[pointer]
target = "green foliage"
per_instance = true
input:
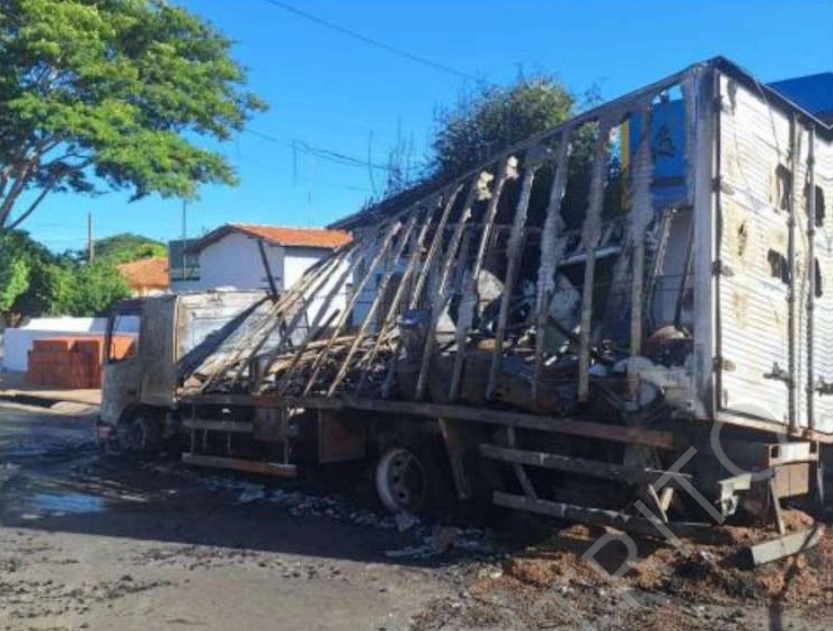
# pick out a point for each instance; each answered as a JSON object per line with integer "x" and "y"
{"x": 14, "y": 280}
{"x": 19, "y": 255}
{"x": 112, "y": 92}
{"x": 491, "y": 119}
{"x": 51, "y": 290}
{"x": 95, "y": 287}
{"x": 35, "y": 282}
{"x": 127, "y": 247}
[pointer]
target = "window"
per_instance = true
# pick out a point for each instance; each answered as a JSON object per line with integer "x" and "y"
{"x": 122, "y": 342}
{"x": 784, "y": 187}
{"x": 778, "y": 267}
{"x": 820, "y": 209}
{"x": 817, "y": 281}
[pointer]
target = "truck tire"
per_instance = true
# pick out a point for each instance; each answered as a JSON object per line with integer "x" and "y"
{"x": 140, "y": 432}
{"x": 414, "y": 476}
{"x": 402, "y": 480}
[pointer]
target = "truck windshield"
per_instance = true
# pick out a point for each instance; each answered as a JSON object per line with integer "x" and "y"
{"x": 122, "y": 337}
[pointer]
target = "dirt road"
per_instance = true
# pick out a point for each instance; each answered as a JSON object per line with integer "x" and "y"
{"x": 91, "y": 543}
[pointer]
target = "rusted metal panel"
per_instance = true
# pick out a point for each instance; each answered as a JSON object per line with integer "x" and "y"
{"x": 238, "y": 464}
{"x": 340, "y": 438}
{"x": 792, "y": 479}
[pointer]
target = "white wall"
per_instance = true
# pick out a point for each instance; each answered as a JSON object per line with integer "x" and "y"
{"x": 298, "y": 260}
{"x": 234, "y": 261}
{"x": 18, "y": 342}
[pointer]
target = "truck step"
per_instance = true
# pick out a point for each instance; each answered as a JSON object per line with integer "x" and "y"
{"x": 235, "y": 427}
{"x": 652, "y": 527}
{"x": 572, "y": 464}
{"x": 238, "y": 464}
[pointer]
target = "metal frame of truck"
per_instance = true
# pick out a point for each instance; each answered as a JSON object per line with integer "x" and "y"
{"x": 466, "y": 283}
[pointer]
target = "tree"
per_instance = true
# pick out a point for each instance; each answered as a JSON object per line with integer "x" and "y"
{"x": 95, "y": 287}
{"x": 19, "y": 255}
{"x": 127, "y": 247}
{"x": 35, "y": 282}
{"x": 490, "y": 119}
{"x": 113, "y": 93}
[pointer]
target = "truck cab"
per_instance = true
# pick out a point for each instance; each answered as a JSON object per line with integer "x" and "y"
{"x": 171, "y": 335}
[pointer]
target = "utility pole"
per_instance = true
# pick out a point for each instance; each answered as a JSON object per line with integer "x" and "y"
{"x": 90, "y": 243}
{"x": 184, "y": 239}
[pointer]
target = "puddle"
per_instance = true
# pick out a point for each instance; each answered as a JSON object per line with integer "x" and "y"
{"x": 62, "y": 503}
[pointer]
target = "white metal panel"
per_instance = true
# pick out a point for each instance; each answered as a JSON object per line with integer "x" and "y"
{"x": 754, "y": 309}
{"x": 753, "y": 305}
{"x": 823, "y": 311}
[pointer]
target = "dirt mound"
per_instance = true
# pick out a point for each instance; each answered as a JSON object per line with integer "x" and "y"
{"x": 708, "y": 574}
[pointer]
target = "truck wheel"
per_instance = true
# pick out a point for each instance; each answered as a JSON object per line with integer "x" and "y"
{"x": 402, "y": 481}
{"x": 142, "y": 433}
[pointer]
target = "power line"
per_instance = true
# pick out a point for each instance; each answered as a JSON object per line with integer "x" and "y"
{"x": 374, "y": 42}
{"x": 323, "y": 153}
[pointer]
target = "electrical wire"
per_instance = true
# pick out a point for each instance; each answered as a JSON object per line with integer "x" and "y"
{"x": 325, "y": 154}
{"x": 374, "y": 42}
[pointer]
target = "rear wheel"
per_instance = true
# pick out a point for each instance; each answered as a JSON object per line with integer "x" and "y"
{"x": 402, "y": 481}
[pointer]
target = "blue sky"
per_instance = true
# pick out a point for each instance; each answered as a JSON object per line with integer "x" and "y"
{"x": 333, "y": 92}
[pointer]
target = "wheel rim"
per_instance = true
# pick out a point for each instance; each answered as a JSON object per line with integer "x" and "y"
{"x": 402, "y": 480}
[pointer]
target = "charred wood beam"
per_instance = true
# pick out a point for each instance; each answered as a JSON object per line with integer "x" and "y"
{"x": 505, "y": 418}
{"x": 518, "y": 467}
{"x": 581, "y": 466}
{"x": 381, "y": 292}
{"x": 271, "y": 319}
{"x": 688, "y": 87}
{"x": 590, "y": 237}
{"x": 532, "y": 162}
{"x": 641, "y": 212}
{"x": 607, "y": 518}
{"x": 299, "y": 315}
{"x": 441, "y": 295}
{"x": 267, "y": 269}
{"x": 659, "y": 256}
{"x": 281, "y": 316}
{"x": 315, "y": 326}
{"x": 389, "y": 321}
{"x": 774, "y": 549}
{"x": 435, "y": 247}
{"x": 393, "y": 228}
{"x": 552, "y": 250}
{"x": 508, "y": 170}
{"x": 637, "y": 222}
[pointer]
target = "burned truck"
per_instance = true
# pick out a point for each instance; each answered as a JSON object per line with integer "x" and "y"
{"x": 568, "y": 327}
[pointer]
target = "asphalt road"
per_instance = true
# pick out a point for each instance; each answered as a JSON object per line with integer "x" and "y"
{"x": 87, "y": 543}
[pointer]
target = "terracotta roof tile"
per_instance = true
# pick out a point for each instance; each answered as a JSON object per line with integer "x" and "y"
{"x": 301, "y": 237}
{"x": 149, "y": 273}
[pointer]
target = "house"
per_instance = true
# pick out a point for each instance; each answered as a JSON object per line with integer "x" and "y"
{"x": 183, "y": 264}
{"x": 146, "y": 277}
{"x": 230, "y": 256}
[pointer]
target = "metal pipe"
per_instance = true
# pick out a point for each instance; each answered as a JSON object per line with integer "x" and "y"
{"x": 811, "y": 275}
{"x": 792, "y": 404}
